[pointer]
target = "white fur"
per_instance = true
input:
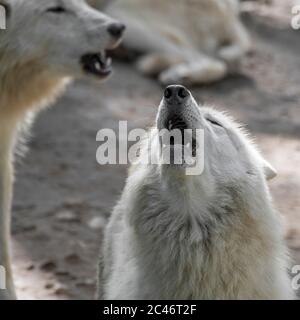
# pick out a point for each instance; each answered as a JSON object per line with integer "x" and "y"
{"x": 39, "y": 54}
{"x": 212, "y": 236}
{"x": 183, "y": 41}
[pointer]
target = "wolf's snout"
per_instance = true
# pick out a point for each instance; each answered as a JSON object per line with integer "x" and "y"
{"x": 176, "y": 93}
{"x": 116, "y": 29}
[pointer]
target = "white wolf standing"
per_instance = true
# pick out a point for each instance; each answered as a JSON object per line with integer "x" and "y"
{"x": 210, "y": 236}
{"x": 183, "y": 41}
{"x": 45, "y": 44}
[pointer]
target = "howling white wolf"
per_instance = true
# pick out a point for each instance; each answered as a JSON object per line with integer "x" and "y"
{"x": 45, "y": 44}
{"x": 209, "y": 236}
{"x": 183, "y": 41}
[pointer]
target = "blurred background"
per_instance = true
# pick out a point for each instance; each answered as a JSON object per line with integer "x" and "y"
{"x": 63, "y": 197}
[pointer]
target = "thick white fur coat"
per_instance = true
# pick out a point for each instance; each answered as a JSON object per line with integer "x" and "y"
{"x": 212, "y": 236}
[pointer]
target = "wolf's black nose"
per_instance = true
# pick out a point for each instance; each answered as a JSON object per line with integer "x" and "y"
{"x": 116, "y": 29}
{"x": 176, "y": 92}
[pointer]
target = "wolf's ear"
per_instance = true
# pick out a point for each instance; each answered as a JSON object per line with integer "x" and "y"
{"x": 269, "y": 171}
{"x": 99, "y": 4}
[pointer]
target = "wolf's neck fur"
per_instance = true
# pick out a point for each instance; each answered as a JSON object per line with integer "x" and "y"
{"x": 26, "y": 85}
{"x": 197, "y": 238}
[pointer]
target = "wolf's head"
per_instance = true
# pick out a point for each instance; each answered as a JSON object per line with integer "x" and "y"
{"x": 229, "y": 157}
{"x": 67, "y": 37}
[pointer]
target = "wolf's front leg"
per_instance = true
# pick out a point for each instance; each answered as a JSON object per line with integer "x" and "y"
{"x": 239, "y": 45}
{"x": 155, "y": 63}
{"x": 7, "y": 291}
{"x": 202, "y": 71}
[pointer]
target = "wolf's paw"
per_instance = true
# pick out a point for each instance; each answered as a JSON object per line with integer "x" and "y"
{"x": 148, "y": 65}
{"x": 232, "y": 56}
{"x": 154, "y": 64}
{"x": 180, "y": 74}
{"x": 194, "y": 73}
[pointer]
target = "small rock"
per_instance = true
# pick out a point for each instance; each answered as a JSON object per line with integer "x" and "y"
{"x": 73, "y": 202}
{"x": 49, "y": 285}
{"x": 67, "y": 216}
{"x": 63, "y": 273}
{"x": 30, "y": 267}
{"x": 97, "y": 223}
{"x": 29, "y": 228}
{"x": 61, "y": 290}
{"x": 86, "y": 283}
{"x": 48, "y": 266}
{"x": 72, "y": 258}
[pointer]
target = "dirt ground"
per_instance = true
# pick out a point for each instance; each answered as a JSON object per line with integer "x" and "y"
{"x": 63, "y": 197}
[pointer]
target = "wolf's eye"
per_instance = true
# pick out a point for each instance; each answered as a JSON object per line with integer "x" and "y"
{"x": 215, "y": 123}
{"x": 57, "y": 9}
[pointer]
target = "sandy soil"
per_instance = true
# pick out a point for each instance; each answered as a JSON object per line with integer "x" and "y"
{"x": 63, "y": 197}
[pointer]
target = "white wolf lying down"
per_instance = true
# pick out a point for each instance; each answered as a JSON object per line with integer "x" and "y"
{"x": 211, "y": 236}
{"x": 45, "y": 44}
{"x": 183, "y": 41}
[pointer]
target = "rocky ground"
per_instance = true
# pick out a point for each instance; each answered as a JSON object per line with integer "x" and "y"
{"x": 63, "y": 197}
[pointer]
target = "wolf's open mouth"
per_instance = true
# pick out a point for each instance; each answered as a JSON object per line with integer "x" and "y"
{"x": 177, "y": 122}
{"x": 97, "y": 64}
